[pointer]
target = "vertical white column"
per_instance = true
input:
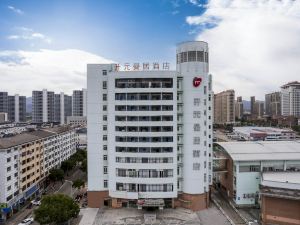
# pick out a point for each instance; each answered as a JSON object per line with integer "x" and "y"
{"x": 17, "y": 109}
{"x": 45, "y": 106}
{"x": 196, "y": 112}
{"x": 62, "y": 108}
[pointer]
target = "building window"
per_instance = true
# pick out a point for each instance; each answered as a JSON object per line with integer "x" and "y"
{"x": 196, "y": 153}
{"x": 104, "y": 117}
{"x": 104, "y": 137}
{"x": 104, "y": 107}
{"x": 196, "y": 114}
{"x": 104, "y": 127}
{"x": 196, "y": 166}
{"x": 204, "y": 164}
{"x": 205, "y": 90}
{"x": 105, "y": 169}
{"x": 196, "y": 140}
{"x": 8, "y": 159}
{"x": 104, "y": 72}
{"x": 196, "y": 101}
{"x": 104, "y": 84}
{"x": 105, "y": 183}
{"x": 196, "y": 127}
{"x": 205, "y": 177}
{"x": 105, "y": 157}
{"x": 105, "y": 147}
{"x": 104, "y": 97}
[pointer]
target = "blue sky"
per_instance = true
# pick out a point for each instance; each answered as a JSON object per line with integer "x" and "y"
{"x": 121, "y": 30}
{"x": 254, "y": 45}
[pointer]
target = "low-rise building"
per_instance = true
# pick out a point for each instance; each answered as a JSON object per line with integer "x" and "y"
{"x": 25, "y": 160}
{"x": 264, "y": 133}
{"x": 244, "y": 163}
{"x": 280, "y": 198}
{"x": 76, "y": 120}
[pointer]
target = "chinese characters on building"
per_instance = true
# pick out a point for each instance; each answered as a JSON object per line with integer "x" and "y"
{"x": 142, "y": 66}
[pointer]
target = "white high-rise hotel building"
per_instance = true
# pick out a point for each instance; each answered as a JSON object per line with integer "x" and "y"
{"x": 150, "y": 133}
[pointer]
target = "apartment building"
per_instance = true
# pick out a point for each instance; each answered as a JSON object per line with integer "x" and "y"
{"x": 224, "y": 107}
{"x": 17, "y": 108}
{"x": 14, "y": 106}
{"x": 141, "y": 123}
{"x": 42, "y": 106}
{"x": 62, "y": 107}
{"x": 273, "y": 104}
{"x": 239, "y": 108}
{"x": 25, "y": 160}
{"x": 79, "y": 103}
{"x": 259, "y": 109}
{"x": 48, "y": 107}
{"x": 3, "y": 102}
{"x": 290, "y": 99}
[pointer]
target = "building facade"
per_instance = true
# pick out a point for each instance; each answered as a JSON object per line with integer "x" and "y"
{"x": 239, "y": 108}
{"x": 14, "y": 106}
{"x": 224, "y": 107}
{"x": 79, "y": 102}
{"x": 290, "y": 99}
{"x": 273, "y": 104}
{"x": 48, "y": 107}
{"x": 43, "y": 109}
{"x": 3, "y": 102}
{"x": 141, "y": 123}
{"x": 247, "y": 161}
{"x": 25, "y": 161}
{"x": 280, "y": 198}
{"x": 17, "y": 108}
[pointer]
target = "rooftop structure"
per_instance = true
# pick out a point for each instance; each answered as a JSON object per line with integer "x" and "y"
{"x": 246, "y": 162}
{"x": 272, "y": 150}
{"x": 264, "y": 133}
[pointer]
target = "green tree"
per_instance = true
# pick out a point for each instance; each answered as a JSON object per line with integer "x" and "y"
{"x": 78, "y": 183}
{"x": 83, "y": 166}
{"x": 57, "y": 208}
{"x": 56, "y": 175}
{"x": 67, "y": 165}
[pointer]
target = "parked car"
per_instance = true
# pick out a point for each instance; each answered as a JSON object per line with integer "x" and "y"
{"x": 36, "y": 202}
{"x": 27, "y": 221}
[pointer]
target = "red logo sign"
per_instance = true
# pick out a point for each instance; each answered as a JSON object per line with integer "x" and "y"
{"x": 197, "y": 81}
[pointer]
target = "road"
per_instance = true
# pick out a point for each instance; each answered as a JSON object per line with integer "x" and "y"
{"x": 229, "y": 211}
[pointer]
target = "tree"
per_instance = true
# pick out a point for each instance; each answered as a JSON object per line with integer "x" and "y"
{"x": 83, "y": 166}
{"x": 56, "y": 175}
{"x": 78, "y": 183}
{"x": 67, "y": 165}
{"x": 57, "y": 208}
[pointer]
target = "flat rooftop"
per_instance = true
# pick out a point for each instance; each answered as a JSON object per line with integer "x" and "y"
{"x": 248, "y": 130}
{"x": 288, "y": 180}
{"x": 26, "y": 137}
{"x": 262, "y": 150}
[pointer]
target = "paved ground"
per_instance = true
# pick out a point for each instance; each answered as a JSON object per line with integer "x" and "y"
{"x": 129, "y": 216}
{"x": 229, "y": 211}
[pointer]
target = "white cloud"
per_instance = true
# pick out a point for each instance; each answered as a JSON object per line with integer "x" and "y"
{"x": 15, "y": 10}
{"x": 57, "y": 70}
{"x": 254, "y": 45}
{"x": 25, "y": 33}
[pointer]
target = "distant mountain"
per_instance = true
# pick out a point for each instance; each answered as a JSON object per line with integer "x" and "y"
{"x": 29, "y": 104}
